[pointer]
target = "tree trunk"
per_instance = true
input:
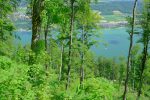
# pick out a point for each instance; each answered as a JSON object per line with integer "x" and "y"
{"x": 36, "y": 22}
{"x": 129, "y": 53}
{"x": 1, "y": 16}
{"x": 143, "y": 65}
{"x": 45, "y": 35}
{"x": 51, "y": 51}
{"x": 36, "y": 26}
{"x": 61, "y": 69}
{"x": 82, "y": 61}
{"x": 145, "y": 49}
{"x": 61, "y": 64}
{"x": 45, "y": 38}
{"x": 70, "y": 42}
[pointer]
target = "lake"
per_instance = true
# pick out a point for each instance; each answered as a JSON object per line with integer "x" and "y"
{"x": 117, "y": 43}
{"x": 114, "y": 42}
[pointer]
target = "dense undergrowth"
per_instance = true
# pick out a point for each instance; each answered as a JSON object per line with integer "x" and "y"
{"x": 22, "y": 82}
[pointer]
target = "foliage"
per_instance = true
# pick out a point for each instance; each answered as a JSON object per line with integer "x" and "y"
{"x": 28, "y": 73}
{"x": 96, "y": 89}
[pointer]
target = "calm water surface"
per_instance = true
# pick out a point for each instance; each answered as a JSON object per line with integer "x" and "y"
{"x": 115, "y": 42}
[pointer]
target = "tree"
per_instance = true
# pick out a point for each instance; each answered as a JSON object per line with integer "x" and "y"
{"x": 6, "y": 25}
{"x": 50, "y": 17}
{"x": 72, "y": 15}
{"x": 86, "y": 25}
{"x": 145, "y": 41}
{"x": 36, "y": 22}
{"x": 134, "y": 66}
{"x": 79, "y": 10}
{"x": 131, "y": 33}
{"x": 63, "y": 37}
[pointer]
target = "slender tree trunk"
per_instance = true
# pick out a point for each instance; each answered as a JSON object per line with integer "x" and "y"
{"x": 129, "y": 53}
{"x": 61, "y": 64}
{"x": 51, "y": 51}
{"x": 2, "y": 35}
{"x": 1, "y": 16}
{"x": 143, "y": 65}
{"x": 45, "y": 38}
{"x": 82, "y": 61}
{"x": 61, "y": 69}
{"x": 70, "y": 42}
{"x": 145, "y": 49}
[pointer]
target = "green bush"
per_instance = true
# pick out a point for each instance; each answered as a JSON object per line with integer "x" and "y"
{"x": 96, "y": 89}
{"x": 13, "y": 81}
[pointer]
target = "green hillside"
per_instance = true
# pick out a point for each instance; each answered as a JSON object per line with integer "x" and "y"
{"x": 107, "y": 8}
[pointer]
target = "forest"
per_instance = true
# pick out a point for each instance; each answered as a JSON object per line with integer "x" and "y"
{"x": 62, "y": 50}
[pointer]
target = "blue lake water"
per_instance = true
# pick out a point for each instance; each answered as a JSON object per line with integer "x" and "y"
{"x": 117, "y": 43}
{"x": 25, "y": 37}
{"x": 114, "y": 42}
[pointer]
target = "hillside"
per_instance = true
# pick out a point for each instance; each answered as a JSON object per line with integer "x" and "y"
{"x": 124, "y": 6}
{"x": 74, "y": 50}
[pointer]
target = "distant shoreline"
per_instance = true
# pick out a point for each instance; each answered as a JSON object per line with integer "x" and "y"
{"x": 113, "y": 24}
